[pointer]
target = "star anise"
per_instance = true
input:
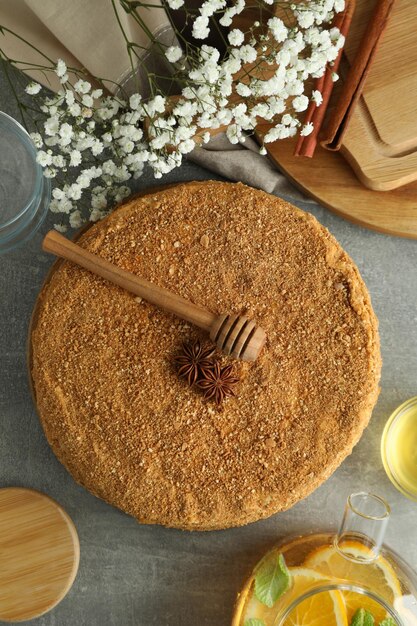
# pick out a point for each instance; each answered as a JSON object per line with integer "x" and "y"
{"x": 218, "y": 382}
{"x": 194, "y": 361}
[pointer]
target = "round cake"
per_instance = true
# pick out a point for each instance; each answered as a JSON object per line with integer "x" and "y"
{"x": 132, "y": 431}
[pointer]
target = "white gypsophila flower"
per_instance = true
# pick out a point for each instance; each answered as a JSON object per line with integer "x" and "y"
{"x": 184, "y": 108}
{"x": 233, "y": 133}
{"x": 61, "y": 68}
{"x": 278, "y": 132}
{"x": 317, "y": 97}
{"x": 87, "y": 100}
{"x": 44, "y": 158}
{"x": 227, "y": 17}
{"x": 75, "y": 219}
{"x": 58, "y": 161}
{"x": 65, "y": 132}
{"x": 37, "y": 140}
{"x": 74, "y": 110}
{"x": 69, "y": 97}
{"x": 83, "y": 182}
{"x": 83, "y": 142}
{"x": 106, "y": 125}
{"x": 175, "y": 4}
{"x": 127, "y": 145}
{"x": 96, "y": 215}
{"x": 50, "y": 171}
{"x": 289, "y": 120}
{"x": 109, "y": 167}
{"x": 99, "y": 200}
{"x": 156, "y": 105}
{"x": 186, "y": 146}
{"x": 230, "y": 12}
{"x": 135, "y": 134}
{"x": 294, "y": 88}
{"x": 93, "y": 172}
{"x": 278, "y": 29}
{"x": 305, "y": 18}
{"x": 74, "y": 191}
{"x": 243, "y": 90}
{"x": 200, "y": 27}
{"x": 236, "y": 37}
{"x": 51, "y": 126}
{"x": 210, "y": 7}
{"x": 58, "y": 194}
{"x": 300, "y": 103}
{"x": 335, "y": 77}
{"x": 61, "y": 228}
{"x": 97, "y": 148}
{"x": 262, "y": 150}
{"x": 107, "y": 139}
{"x": 61, "y": 206}
{"x": 33, "y": 88}
{"x": 82, "y": 86}
{"x": 247, "y": 53}
{"x": 173, "y": 54}
{"x": 121, "y": 193}
{"x": 52, "y": 141}
{"x": 307, "y": 129}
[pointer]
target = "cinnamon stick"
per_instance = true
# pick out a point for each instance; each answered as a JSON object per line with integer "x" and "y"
{"x": 355, "y": 79}
{"x": 306, "y": 145}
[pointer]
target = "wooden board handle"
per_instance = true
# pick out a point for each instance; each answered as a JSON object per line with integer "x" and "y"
{"x": 61, "y": 246}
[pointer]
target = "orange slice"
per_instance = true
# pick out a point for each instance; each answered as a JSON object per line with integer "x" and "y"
{"x": 379, "y": 576}
{"x": 323, "y": 609}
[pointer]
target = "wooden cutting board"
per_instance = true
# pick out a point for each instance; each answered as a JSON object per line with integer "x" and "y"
{"x": 381, "y": 140}
{"x": 374, "y": 183}
{"x": 39, "y": 554}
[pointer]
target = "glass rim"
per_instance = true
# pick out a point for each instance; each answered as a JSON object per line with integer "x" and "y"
{"x": 22, "y": 133}
{"x": 340, "y": 586}
{"x": 395, "y": 416}
{"x": 373, "y": 496}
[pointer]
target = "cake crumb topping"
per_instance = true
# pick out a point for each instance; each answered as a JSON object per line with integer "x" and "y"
{"x": 129, "y": 429}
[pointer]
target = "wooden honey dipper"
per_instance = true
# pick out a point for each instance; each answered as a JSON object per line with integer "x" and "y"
{"x": 234, "y": 334}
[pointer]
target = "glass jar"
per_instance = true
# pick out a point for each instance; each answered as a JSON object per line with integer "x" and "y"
{"x": 24, "y": 191}
{"x": 326, "y": 579}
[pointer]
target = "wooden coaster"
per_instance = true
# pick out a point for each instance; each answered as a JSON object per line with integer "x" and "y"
{"x": 39, "y": 554}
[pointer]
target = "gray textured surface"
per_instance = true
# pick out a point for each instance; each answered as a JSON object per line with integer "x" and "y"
{"x": 137, "y": 575}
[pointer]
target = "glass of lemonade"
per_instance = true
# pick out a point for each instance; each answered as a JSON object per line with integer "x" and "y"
{"x": 399, "y": 448}
{"x": 347, "y": 579}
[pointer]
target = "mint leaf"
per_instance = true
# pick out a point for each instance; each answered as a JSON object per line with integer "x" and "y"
{"x": 388, "y": 621}
{"x": 253, "y": 621}
{"x": 362, "y": 617}
{"x": 271, "y": 580}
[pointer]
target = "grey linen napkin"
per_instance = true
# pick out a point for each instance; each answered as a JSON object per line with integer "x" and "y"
{"x": 242, "y": 162}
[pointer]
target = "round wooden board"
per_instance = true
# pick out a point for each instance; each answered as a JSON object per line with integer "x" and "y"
{"x": 40, "y": 553}
{"x": 328, "y": 178}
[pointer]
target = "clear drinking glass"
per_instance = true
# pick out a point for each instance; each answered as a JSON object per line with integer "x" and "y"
{"x": 24, "y": 191}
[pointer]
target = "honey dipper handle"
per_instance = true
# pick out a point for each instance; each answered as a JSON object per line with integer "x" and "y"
{"x": 61, "y": 246}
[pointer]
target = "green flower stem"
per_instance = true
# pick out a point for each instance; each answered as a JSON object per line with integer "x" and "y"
{"x": 4, "y": 29}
